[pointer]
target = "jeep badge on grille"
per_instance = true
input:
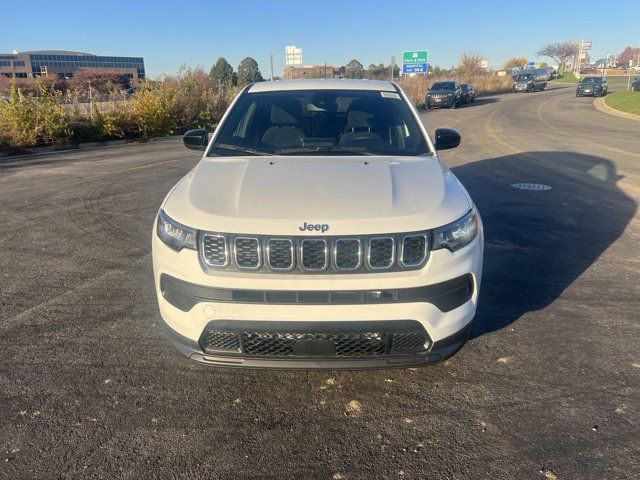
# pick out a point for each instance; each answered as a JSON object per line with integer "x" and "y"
{"x": 314, "y": 227}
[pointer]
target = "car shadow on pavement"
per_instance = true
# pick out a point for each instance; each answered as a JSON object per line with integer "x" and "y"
{"x": 538, "y": 242}
{"x": 480, "y": 101}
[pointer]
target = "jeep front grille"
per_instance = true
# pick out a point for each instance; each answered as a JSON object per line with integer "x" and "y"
{"x": 315, "y": 255}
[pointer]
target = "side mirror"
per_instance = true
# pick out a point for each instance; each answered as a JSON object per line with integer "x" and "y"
{"x": 447, "y": 138}
{"x": 196, "y": 139}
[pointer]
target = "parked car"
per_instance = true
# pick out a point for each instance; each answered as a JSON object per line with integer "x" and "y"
{"x": 635, "y": 85}
{"x": 319, "y": 230}
{"x": 531, "y": 80}
{"x": 468, "y": 92}
{"x": 444, "y": 94}
{"x": 592, "y": 87}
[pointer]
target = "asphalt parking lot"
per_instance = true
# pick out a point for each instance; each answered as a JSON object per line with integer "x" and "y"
{"x": 547, "y": 387}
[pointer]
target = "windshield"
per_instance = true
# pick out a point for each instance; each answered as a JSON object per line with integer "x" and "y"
{"x": 525, "y": 76}
{"x": 464, "y": 87}
{"x": 444, "y": 86}
{"x": 338, "y": 122}
{"x": 592, "y": 80}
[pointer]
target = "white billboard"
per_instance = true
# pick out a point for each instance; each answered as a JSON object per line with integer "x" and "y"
{"x": 292, "y": 55}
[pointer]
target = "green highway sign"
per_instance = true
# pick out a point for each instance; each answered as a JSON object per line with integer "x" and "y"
{"x": 415, "y": 56}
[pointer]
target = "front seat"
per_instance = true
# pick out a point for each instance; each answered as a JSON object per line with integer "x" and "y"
{"x": 283, "y": 132}
{"x": 358, "y": 128}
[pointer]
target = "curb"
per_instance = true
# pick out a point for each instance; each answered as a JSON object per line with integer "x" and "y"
{"x": 599, "y": 104}
{"x": 37, "y": 152}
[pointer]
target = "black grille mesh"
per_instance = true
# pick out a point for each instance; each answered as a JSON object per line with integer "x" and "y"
{"x": 331, "y": 341}
{"x": 247, "y": 252}
{"x": 214, "y": 250}
{"x": 314, "y": 254}
{"x": 347, "y": 253}
{"x": 407, "y": 341}
{"x": 280, "y": 253}
{"x": 346, "y": 344}
{"x": 381, "y": 252}
{"x": 414, "y": 250}
{"x": 222, "y": 341}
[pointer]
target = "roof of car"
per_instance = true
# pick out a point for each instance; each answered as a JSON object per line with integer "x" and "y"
{"x": 323, "y": 84}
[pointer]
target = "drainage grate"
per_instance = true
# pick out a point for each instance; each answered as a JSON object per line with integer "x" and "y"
{"x": 530, "y": 186}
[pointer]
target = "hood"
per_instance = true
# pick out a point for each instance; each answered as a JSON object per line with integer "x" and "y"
{"x": 351, "y": 194}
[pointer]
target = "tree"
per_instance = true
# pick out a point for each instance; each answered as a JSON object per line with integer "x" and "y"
{"x": 396, "y": 70}
{"x": 354, "y": 69}
{"x": 377, "y": 71}
{"x": 471, "y": 63}
{"x": 248, "y": 72}
{"x": 561, "y": 52}
{"x": 629, "y": 54}
{"x": 515, "y": 62}
{"x": 221, "y": 73}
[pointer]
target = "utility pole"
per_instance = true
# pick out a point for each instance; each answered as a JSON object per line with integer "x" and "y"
{"x": 271, "y": 62}
{"x": 393, "y": 64}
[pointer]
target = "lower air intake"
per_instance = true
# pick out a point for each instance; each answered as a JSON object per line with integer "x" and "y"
{"x": 315, "y": 339}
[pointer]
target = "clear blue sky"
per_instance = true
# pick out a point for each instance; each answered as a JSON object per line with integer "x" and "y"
{"x": 171, "y": 33}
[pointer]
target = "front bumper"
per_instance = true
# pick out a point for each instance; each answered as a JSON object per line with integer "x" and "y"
{"x": 437, "y": 351}
{"x": 439, "y": 299}
{"x": 590, "y": 93}
{"x": 440, "y": 102}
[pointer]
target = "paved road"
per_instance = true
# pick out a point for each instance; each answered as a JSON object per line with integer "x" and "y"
{"x": 548, "y": 386}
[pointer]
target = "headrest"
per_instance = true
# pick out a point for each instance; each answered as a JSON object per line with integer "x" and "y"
{"x": 279, "y": 116}
{"x": 358, "y": 119}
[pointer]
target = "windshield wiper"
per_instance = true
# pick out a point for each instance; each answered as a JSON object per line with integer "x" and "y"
{"x": 239, "y": 148}
{"x": 351, "y": 150}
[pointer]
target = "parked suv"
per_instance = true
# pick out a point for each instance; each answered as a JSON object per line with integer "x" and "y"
{"x": 319, "y": 230}
{"x": 592, "y": 87}
{"x": 444, "y": 94}
{"x": 468, "y": 92}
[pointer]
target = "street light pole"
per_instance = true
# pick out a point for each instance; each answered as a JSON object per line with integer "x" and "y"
{"x": 271, "y": 62}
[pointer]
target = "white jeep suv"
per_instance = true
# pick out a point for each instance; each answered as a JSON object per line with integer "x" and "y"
{"x": 319, "y": 230}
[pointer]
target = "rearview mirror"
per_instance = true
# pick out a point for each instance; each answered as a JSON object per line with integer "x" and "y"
{"x": 196, "y": 139}
{"x": 447, "y": 138}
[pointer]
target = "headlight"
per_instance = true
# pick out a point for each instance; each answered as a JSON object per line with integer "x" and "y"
{"x": 458, "y": 234}
{"x": 175, "y": 235}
